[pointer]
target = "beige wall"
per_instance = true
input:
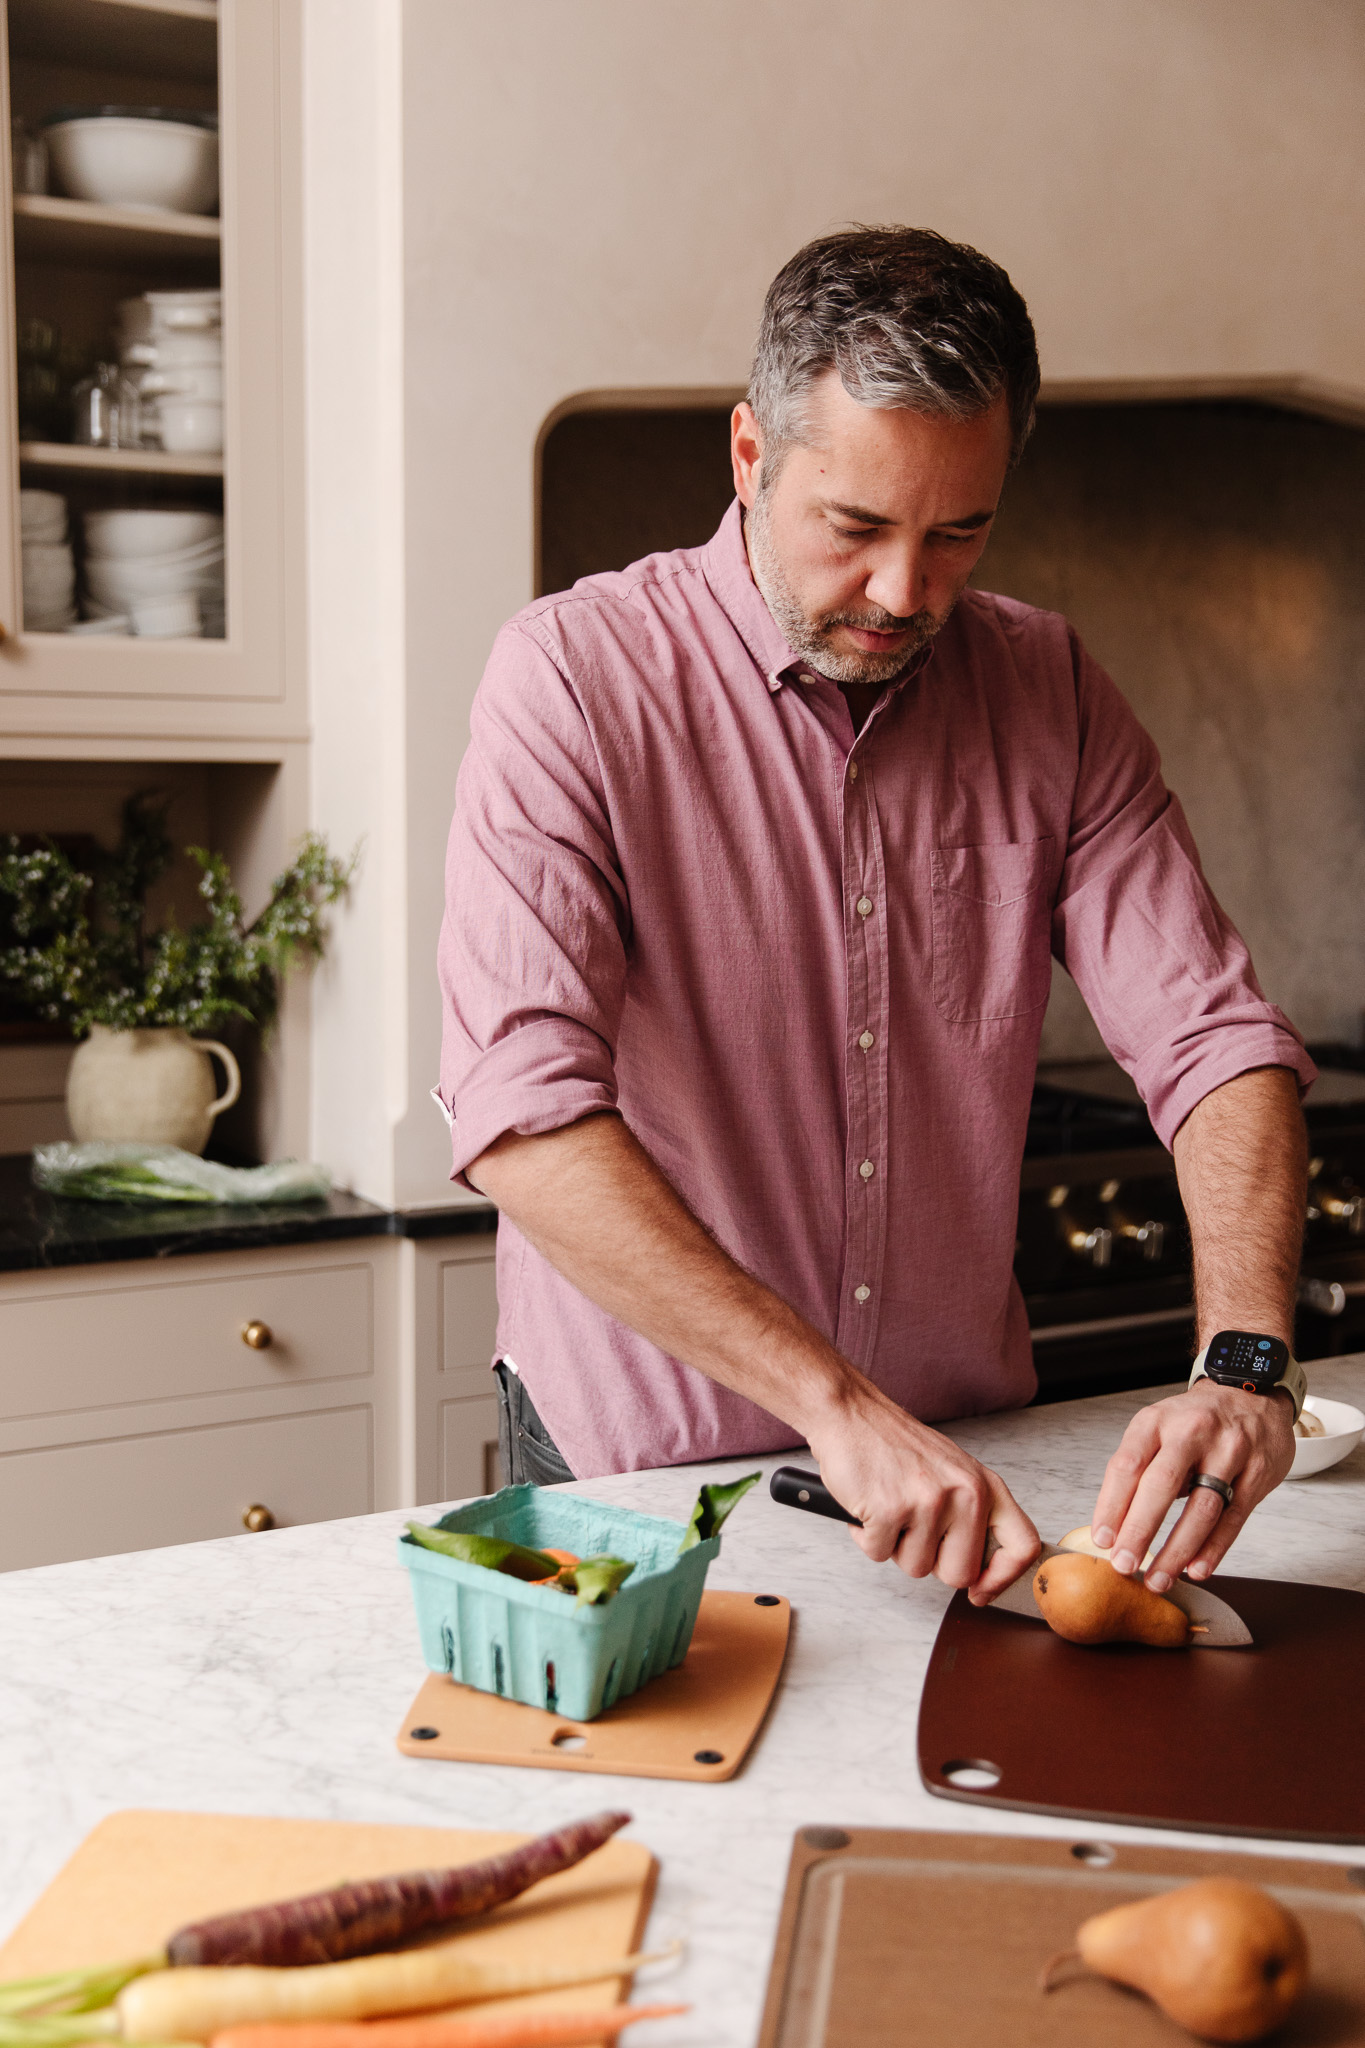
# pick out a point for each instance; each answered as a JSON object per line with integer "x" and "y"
{"x": 595, "y": 194}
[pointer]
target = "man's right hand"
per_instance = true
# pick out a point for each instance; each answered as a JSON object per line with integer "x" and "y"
{"x": 921, "y": 1499}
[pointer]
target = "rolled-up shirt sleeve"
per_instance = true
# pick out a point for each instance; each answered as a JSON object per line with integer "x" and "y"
{"x": 1167, "y": 978}
{"x": 532, "y": 952}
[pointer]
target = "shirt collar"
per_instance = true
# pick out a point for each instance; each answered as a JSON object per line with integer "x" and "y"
{"x": 725, "y": 565}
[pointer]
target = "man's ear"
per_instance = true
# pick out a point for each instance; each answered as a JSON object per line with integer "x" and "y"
{"x": 746, "y": 452}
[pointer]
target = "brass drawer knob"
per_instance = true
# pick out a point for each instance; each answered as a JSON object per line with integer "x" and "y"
{"x": 257, "y": 1518}
{"x": 259, "y": 1336}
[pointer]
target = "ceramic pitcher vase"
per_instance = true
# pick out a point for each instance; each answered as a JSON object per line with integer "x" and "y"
{"x": 154, "y": 1087}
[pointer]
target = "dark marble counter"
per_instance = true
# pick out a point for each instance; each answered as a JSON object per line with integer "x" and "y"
{"x": 38, "y": 1229}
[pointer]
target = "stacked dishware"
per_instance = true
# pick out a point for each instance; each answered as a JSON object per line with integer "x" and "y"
{"x": 49, "y": 566}
{"x": 171, "y": 344}
{"x": 161, "y": 570}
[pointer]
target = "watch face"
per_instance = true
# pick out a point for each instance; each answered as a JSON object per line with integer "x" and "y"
{"x": 1244, "y": 1359}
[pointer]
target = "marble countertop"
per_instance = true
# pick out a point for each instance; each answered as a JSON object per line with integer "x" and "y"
{"x": 270, "y": 1674}
{"x": 38, "y": 1229}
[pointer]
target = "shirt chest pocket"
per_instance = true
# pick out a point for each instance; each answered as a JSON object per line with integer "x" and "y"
{"x": 992, "y": 929}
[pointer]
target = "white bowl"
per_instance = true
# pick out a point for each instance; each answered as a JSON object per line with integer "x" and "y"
{"x": 117, "y": 585}
{"x": 42, "y": 515}
{"x": 190, "y": 426}
{"x": 168, "y": 618}
{"x": 131, "y": 535}
{"x": 1344, "y": 1425}
{"x": 120, "y": 160}
{"x": 195, "y": 381}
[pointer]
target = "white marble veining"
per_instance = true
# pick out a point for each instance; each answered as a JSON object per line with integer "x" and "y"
{"x": 269, "y": 1675}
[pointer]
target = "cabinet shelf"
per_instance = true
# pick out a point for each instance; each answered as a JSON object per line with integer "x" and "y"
{"x": 159, "y": 38}
{"x": 128, "y": 461}
{"x": 48, "y": 230}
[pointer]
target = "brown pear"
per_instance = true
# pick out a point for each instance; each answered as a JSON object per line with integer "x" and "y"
{"x": 1087, "y": 1601}
{"x": 1219, "y": 1957}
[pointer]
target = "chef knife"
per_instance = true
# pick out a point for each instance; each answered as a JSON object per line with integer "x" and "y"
{"x": 1221, "y": 1628}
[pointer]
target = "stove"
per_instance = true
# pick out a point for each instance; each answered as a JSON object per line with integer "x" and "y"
{"x": 1103, "y": 1250}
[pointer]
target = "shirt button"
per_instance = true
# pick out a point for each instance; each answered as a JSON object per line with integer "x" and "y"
{"x": 853, "y": 771}
{"x": 867, "y": 1040}
{"x": 862, "y": 1293}
{"x": 867, "y": 1169}
{"x": 864, "y": 906}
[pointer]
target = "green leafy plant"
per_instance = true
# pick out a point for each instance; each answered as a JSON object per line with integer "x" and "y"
{"x": 77, "y": 947}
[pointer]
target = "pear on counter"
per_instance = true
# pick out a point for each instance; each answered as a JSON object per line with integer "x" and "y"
{"x": 1219, "y": 1957}
{"x": 1087, "y": 1601}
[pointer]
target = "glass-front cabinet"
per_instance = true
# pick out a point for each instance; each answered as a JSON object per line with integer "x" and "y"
{"x": 148, "y": 532}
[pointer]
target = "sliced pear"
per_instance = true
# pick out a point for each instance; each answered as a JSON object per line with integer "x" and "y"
{"x": 1087, "y": 1601}
{"x": 1081, "y": 1540}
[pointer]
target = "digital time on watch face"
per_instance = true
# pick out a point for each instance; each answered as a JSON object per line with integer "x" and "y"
{"x": 1246, "y": 1359}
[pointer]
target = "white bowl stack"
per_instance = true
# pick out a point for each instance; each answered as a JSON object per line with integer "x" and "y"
{"x": 161, "y": 570}
{"x": 171, "y": 344}
{"x": 49, "y": 566}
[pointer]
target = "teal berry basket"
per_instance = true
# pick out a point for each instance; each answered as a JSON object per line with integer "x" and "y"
{"x": 533, "y": 1643}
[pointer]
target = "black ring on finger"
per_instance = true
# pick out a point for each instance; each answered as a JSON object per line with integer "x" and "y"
{"x": 1222, "y": 1487}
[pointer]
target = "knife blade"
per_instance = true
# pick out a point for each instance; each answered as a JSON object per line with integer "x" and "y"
{"x": 1221, "y": 1628}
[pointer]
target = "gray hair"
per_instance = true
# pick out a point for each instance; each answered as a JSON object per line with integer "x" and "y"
{"x": 908, "y": 319}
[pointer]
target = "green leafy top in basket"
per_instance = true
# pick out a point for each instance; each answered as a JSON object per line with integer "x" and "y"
{"x": 592, "y": 1580}
{"x": 77, "y": 948}
{"x": 714, "y": 1506}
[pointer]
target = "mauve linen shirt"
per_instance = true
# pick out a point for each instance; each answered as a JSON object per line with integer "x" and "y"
{"x": 809, "y": 969}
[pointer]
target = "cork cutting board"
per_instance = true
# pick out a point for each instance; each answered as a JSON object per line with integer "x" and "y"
{"x": 138, "y": 1876}
{"x": 697, "y": 1722}
{"x": 1264, "y": 1740}
{"x": 889, "y": 1936}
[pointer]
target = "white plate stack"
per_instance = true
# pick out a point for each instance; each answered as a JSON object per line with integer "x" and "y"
{"x": 171, "y": 344}
{"x": 161, "y": 570}
{"x": 49, "y": 566}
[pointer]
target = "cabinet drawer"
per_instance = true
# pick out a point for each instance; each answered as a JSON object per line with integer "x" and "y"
{"x": 73, "y": 1347}
{"x": 469, "y": 1448}
{"x": 181, "y": 1485}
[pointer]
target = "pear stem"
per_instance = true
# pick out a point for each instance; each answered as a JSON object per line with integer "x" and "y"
{"x": 1046, "y": 1979}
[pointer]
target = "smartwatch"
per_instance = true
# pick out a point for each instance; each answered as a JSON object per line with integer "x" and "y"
{"x": 1256, "y": 1364}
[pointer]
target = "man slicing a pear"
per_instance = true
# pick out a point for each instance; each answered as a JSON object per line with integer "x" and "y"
{"x": 760, "y": 856}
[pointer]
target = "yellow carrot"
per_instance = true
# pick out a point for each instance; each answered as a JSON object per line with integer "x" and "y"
{"x": 483, "y": 2030}
{"x": 196, "y": 2004}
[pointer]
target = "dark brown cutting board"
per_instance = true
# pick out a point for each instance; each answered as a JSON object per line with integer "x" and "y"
{"x": 1266, "y": 1741}
{"x": 889, "y": 1937}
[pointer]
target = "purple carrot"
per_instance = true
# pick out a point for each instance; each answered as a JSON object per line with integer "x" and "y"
{"x": 355, "y": 1919}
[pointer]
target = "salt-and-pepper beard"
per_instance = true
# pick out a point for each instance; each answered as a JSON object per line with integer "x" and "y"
{"x": 809, "y": 636}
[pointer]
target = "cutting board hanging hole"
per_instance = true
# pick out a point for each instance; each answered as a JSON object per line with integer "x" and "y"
{"x": 1098, "y": 1855}
{"x": 972, "y": 1774}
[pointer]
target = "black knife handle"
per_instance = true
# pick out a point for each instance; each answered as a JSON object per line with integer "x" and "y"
{"x": 794, "y": 1487}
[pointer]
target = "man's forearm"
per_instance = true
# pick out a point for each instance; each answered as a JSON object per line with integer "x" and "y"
{"x": 592, "y": 1201}
{"x": 1242, "y": 1160}
{"x": 1241, "y": 1156}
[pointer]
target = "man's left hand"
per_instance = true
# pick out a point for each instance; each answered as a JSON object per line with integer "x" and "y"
{"x": 1247, "y": 1439}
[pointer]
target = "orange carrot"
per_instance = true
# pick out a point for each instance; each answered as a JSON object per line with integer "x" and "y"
{"x": 483, "y": 2030}
{"x": 563, "y": 1558}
